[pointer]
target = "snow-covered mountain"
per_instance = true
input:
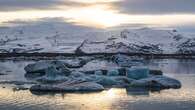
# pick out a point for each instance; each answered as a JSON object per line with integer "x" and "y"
{"x": 60, "y": 38}
{"x": 43, "y": 37}
{"x": 143, "y": 40}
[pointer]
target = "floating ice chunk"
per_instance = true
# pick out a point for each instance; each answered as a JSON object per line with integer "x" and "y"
{"x": 113, "y": 72}
{"x": 156, "y": 72}
{"x": 137, "y": 73}
{"x": 42, "y": 66}
{"x": 98, "y": 72}
{"x": 126, "y": 61}
{"x": 105, "y": 81}
{"x": 162, "y": 82}
{"x": 66, "y": 87}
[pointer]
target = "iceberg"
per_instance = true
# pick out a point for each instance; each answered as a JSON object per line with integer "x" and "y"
{"x": 137, "y": 73}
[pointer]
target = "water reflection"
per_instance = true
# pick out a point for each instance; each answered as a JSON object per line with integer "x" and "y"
{"x": 111, "y": 99}
{"x": 110, "y": 93}
{"x": 107, "y": 100}
{"x": 179, "y": 66}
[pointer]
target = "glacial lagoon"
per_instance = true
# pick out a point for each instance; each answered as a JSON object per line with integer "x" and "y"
{"x": 110, "y": 99}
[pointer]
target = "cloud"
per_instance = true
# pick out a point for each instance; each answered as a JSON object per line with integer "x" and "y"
{"x": 13, "y": 5}
{"x": 17, "y": 5}
{"x": 124, "y": 6}
{"x": 157, "y": 6}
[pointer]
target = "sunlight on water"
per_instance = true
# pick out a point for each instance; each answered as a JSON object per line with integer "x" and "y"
{"x": 91, "y": 101}
{"x": 110, "y": 99}
{"x": 96, "y": 13}
{"x": 106, "y": 100}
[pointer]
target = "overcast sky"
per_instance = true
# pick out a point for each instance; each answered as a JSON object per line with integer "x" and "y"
{"x": 17, "y": 5}
{"x": 127, "y": 6}
{"x": 158, "y": 6}
{"x": 102, "y": 13}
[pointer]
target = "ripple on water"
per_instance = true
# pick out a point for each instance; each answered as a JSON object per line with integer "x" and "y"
{"x": 113, "y": 99}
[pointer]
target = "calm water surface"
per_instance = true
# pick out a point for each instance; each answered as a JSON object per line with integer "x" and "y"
{"x": 111, "y": 99}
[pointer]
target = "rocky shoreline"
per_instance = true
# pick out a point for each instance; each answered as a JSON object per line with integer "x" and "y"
{"x": 46, "y": 56}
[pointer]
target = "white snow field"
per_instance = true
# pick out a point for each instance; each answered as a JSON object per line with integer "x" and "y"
{"x": 61, "y": 38}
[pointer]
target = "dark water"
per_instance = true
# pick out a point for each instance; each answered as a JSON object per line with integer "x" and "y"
{"x": 111, "y": 99}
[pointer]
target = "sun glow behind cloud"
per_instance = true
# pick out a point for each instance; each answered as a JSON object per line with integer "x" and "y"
{"x": 96, "y": 13}
{"x": 95, "y": 1}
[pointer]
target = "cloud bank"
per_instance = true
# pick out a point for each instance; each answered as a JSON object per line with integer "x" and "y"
{"x": 125, "y": 6}
{"x": 157, "y": 6}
